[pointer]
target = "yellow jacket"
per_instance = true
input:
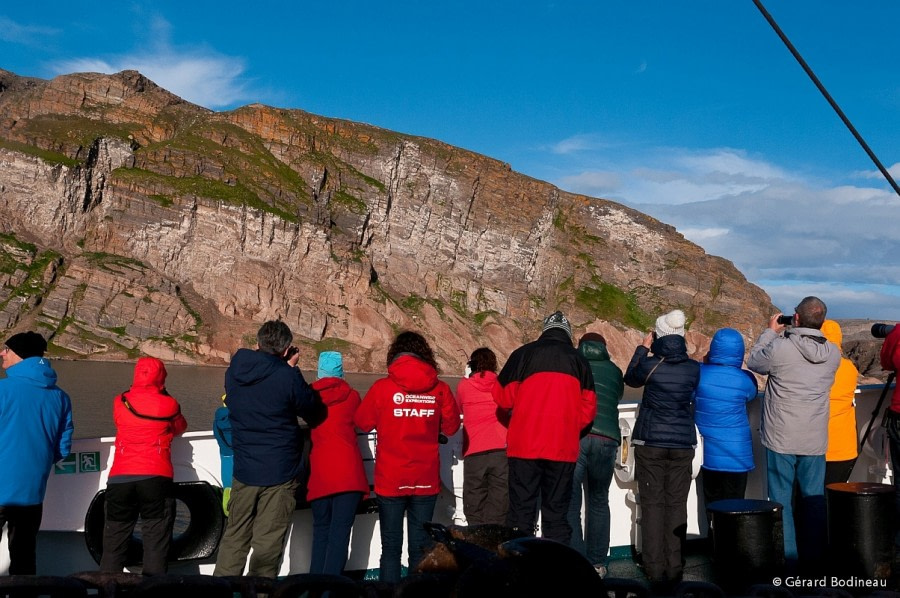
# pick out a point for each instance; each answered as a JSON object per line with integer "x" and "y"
{"x": 842, "y": 440}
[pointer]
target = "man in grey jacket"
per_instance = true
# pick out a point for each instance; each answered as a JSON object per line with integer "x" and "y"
{"x": 800, "y": 364}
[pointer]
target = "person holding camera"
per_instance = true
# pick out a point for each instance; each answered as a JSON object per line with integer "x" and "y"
{"x": 890, "y": 362}
{"x": 664, "y": 439}
{"x": 800, "y": 364}
{"x": 266, "y": 393}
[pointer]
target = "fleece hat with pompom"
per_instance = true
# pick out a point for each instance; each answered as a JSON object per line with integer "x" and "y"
{"x": 670, "y": 323}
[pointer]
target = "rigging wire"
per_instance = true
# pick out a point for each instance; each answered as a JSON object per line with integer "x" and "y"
{"x": 827, "y": 95}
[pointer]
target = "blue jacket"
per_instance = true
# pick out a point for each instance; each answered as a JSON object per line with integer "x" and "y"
{"x": 722, "y": 397}
{"x": 669, "y": 378}
{"x": 222, "y": 432}
{"x": 265, "y": 396}
{"x": 35, "y": 430}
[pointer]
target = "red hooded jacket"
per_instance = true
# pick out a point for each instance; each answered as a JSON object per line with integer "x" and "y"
{"x": 890, "y": 361}
{"x": 408, "y": 409}
{"x": 335, "y": 461}
{"x": 147, "y": 419}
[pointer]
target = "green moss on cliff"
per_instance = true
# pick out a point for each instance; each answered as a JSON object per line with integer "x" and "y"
{"x": 50, "y": 157}
{"x": 609, "y": 302}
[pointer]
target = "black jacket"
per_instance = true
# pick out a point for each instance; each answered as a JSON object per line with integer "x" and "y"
{"x": 669, "y": 378}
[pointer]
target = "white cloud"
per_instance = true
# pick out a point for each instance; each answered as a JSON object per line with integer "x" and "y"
{"x": 792, "y": 236}
{"x": 199, "y": 75}
{"x": 28, "y": 35}
{"x": 641, "y": 67}
{"x": 578, "y": 143}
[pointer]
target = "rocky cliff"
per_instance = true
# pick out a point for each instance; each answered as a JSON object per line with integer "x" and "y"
{"x": 134, "y": 222}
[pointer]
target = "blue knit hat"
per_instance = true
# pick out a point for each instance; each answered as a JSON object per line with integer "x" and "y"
{"x": 331, "y": 365}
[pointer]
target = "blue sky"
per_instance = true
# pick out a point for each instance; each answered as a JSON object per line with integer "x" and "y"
{"x": 693, "y": 112}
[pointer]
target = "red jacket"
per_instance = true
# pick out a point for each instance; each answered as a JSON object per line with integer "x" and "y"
{"x": 408, "y": 409}
{"x": 890, "y": 361}
{"x": 550, "y": 389}
{"x": 335, "y": 462}
{"x": 147, "y": 419}
{"x": 482, "y": 431}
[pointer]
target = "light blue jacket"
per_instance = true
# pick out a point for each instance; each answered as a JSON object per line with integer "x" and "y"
{"x": 721, "y": 412}
{"x": 35, "y": 430}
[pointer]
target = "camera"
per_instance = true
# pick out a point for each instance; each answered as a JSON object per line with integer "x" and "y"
{"x": 785, "y": 320}
{"x": 291, "y": 352}
{"x": 881, "y": 330}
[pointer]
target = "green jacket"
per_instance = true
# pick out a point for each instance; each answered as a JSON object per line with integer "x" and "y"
{"x": 609, "y": 387}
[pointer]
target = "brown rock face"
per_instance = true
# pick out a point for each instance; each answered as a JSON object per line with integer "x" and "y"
{"x": 134, "y": 222}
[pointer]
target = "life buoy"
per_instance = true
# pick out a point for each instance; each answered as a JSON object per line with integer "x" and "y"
{"x": 625, "y": 455}
{"x": 198, "y": 537}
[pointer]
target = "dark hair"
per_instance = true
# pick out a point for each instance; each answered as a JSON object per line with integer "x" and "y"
{"x": 411, "y": 342}
{"x": 483, "y": 360}
{"x": 811, "y": 313}
{"x": 274, "y": 337}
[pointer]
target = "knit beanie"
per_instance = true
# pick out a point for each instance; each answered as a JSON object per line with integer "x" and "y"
{"x": 670, "y": 323}
{"x": 331, "y": 365}
{"x": 27, "y": 344}
{"x": 557, "y": 320}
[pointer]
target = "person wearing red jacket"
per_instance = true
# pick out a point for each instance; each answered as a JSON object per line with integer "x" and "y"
{"x": 409, "y": 409}
{"x": 890, "y": 362}
{"x": 337, "y": 478}
{"x": 485, "y": 466}
{"x": 140, "y": 482}
{"x": 549, "y": 387}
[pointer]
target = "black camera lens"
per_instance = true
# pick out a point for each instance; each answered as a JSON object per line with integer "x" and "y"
{"x": 785, "y": 320}
{"x": 881, "y": 330}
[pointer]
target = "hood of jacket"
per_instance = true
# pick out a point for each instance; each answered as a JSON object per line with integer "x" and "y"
{"x": 556, "y": 334}
{"x": 671, "y": 346}
{"x": 832, "y": 331}
{"x": 149, "y": 373}
{"x": 593, "y": 351}
{"x": 36, "y": 370}
{"x": 811, "y": 344}
{"x": 249, "y": 367}
{"x": 483, "y": 381}
{"x": 412, "y": 374}
{"x": 332, "y": 390}
{"x": 726, "y": 348}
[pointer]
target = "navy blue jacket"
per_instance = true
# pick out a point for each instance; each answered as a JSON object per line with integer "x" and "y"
{"x": 666, "y": 415}
{"x": 265, "y": 396}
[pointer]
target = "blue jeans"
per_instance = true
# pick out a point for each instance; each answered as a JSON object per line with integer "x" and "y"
{"x": 593, "y": 475}
{"x": 781, "y": 472}
{"x": 332, "y": 521}
{"x": 391, "y": 509}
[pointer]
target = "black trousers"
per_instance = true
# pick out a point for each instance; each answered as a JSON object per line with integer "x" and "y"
{"x": 23, "y": 523}
{"x": 721, "y": 485}
{"x": 538, "y": 480}
{"x": 153, "y": 500}
{"x": 664, "y": 481}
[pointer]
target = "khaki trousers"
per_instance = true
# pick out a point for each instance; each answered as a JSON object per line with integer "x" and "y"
{"x": 259, "y": 518}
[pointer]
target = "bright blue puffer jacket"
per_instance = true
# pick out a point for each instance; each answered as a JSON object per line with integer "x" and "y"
{"x": 721, "y": 412}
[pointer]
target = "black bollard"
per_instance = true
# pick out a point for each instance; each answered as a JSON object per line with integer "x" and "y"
{"x": 747, "y": 539}
{"x": 860, "y": 528}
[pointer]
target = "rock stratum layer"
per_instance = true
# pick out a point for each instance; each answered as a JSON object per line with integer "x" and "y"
{"x": 133, "y": 222}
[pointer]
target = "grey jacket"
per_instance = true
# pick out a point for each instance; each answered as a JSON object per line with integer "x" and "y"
{"x": 800, "y": 366}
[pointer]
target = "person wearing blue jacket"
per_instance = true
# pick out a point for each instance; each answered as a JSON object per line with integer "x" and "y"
{"x": 35, "y": 432}
{"x": 265, "y": 394}
{"x": 721, "y": 415}
{"x": 222, "y": 432}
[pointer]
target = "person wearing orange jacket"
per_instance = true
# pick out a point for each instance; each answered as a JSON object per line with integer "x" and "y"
{"x": 840, "y": 457}
{"x": 409, "y": 409}
{"x": 140, "y": 482}
{"x": 337, "y": 478}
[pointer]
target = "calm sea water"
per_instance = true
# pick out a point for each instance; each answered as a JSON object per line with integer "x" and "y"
{"x": 94, "y": 384}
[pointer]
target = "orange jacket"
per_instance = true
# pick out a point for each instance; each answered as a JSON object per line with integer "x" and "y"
{"x": 842, "y": 440}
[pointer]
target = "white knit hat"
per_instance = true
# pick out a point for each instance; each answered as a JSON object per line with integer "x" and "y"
{"x": 670, "y": 323}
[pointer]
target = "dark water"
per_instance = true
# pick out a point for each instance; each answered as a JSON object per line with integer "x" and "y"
{"x": 94, "y": 384}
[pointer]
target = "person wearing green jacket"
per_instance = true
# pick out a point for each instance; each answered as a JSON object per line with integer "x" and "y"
{"x": 597, "y": 456}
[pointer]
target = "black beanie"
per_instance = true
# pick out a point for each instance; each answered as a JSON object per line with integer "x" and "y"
{"x": 27, "y": 344}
